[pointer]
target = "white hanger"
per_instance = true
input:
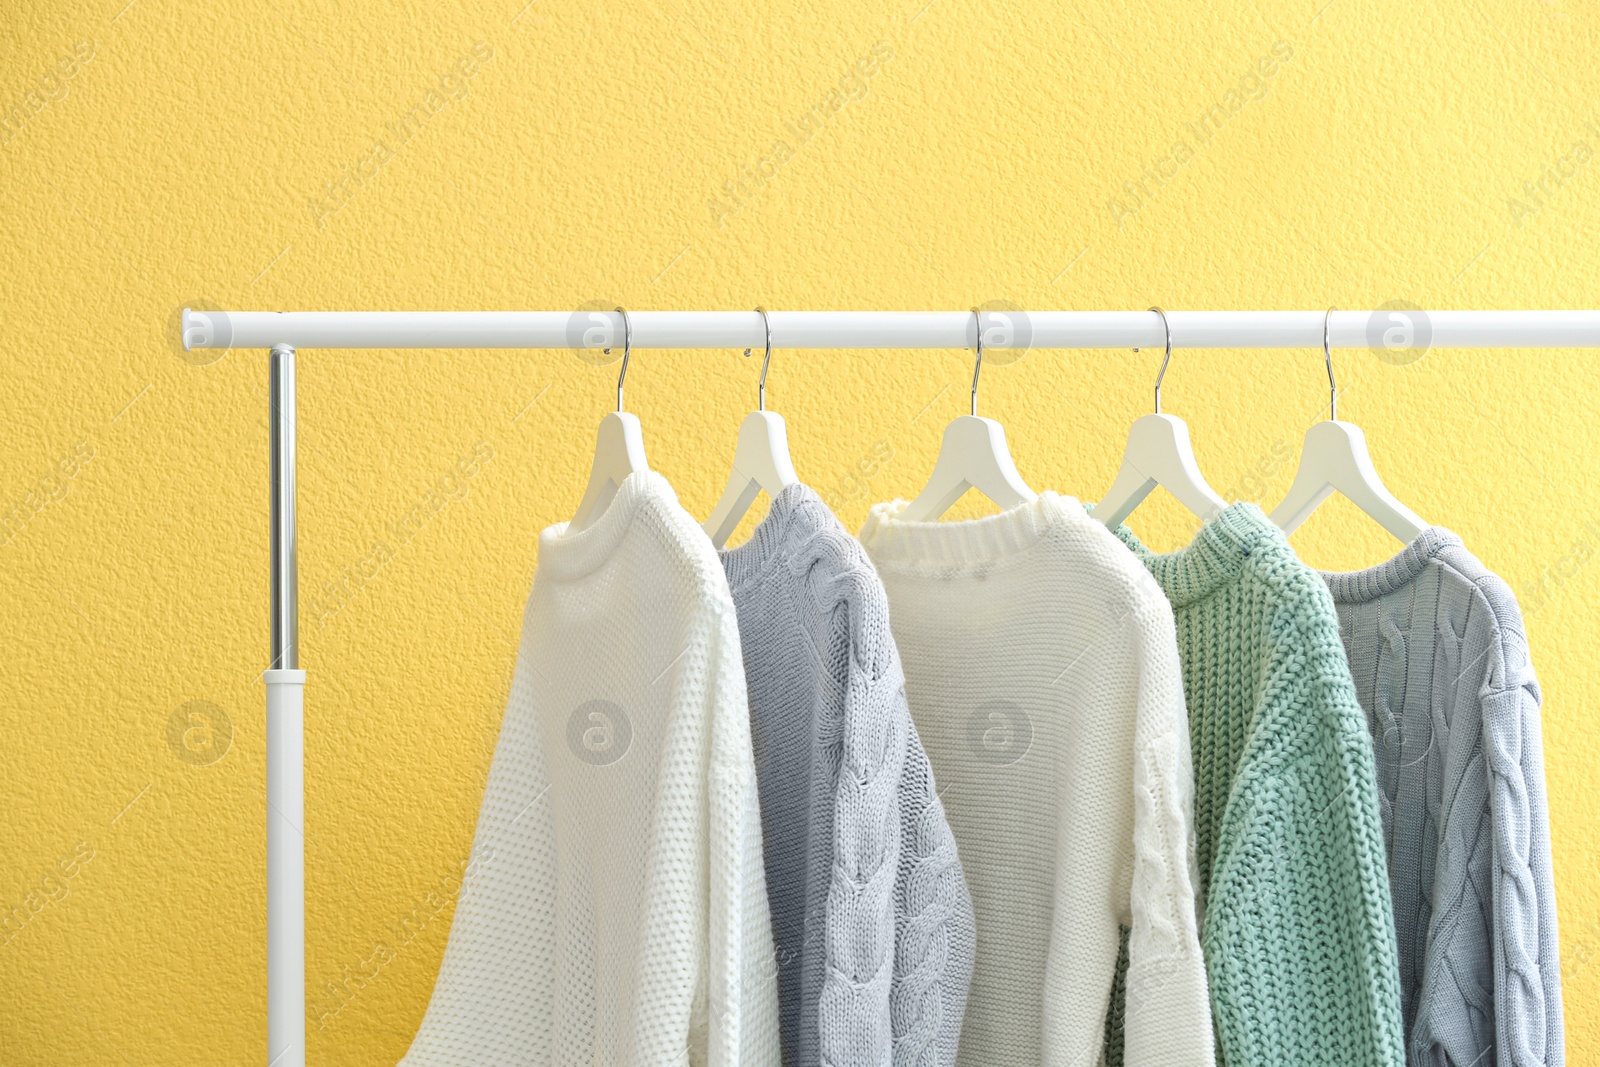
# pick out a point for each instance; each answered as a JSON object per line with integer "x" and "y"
{"x": 618, "y": 449}
{"x": 1158, "y": 453}
{"x": 973, "y": 455}
{"x": 1333, "y": 459}
{"x": 760, "y": 459}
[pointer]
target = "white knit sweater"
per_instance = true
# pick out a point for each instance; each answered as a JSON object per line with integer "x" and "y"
{"x": 616, "y": 911}
{"x": 1042, "y": 672}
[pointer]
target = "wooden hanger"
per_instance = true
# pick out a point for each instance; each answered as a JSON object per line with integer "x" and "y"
{"x": 1334, "y": 459}
{"x": 972, "y": 455}
{"x": 760, "y": 459}
{"x": 1158, "y": 453}
{"x": 618, "y": 450}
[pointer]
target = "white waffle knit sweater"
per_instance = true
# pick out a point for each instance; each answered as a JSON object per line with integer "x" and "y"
{"x": 1042, "y": 671}
{"x": 615, "y": 911}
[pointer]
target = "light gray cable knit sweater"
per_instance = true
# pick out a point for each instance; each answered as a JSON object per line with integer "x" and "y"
{"x": 1440, "y": 661}
{"x": 871, "y": 917}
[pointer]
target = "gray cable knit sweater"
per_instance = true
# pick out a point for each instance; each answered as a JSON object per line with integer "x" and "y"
{"x": 870, "y": 912}
{"x": 1440, "y": 661}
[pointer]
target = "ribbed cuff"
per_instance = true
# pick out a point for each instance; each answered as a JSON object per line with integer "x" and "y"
{"x": 1168, "y": 1018}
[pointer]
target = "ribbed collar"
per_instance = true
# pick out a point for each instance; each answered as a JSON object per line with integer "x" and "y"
{"x": 796, "y": 512}
{"x": 1215, "y": 557}
{"x": 1351, "y": 587}
{"x": 564, "y": 558}
{"x": 891, "y": 539}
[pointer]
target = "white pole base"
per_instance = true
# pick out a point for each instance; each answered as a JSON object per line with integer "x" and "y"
{"x": 286, "y": 868}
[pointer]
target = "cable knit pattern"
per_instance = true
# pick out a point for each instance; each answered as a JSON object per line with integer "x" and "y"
{"x": 1440, "y": 661}
{"x": 1042, "y": 672}
{"x": 1298, "y": 924}
{"x": 615, "y": 911}
{"x": 872, "y": 918}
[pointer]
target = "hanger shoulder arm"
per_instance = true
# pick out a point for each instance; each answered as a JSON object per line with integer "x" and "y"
{"x": 618, "y": 452}
{"x": 1386, "y": 510}
{"x": 1127, "y": 492}
{"x": 763, "y": 451}
{"x": 1333, "y": 459}
{"x": 1159, "y": 452}
{"x": 1305, "y": 495}
{"x": 972, "y": 455}
{"x": 760, "y": 461}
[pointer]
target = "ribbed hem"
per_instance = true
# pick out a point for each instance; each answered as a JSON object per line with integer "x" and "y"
{"x": 1215, "y": 556}
{"x": 563, "y": 557}
{"x": 797, "y": 511}
{"x": 1353, "y": 587}
{"x": 891, "y": 539}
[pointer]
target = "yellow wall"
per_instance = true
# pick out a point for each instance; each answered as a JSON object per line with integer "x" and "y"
{"x": 681, "y": 154}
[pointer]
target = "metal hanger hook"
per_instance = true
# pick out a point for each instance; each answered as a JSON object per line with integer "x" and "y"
{"x": 1166, "y": 329}
{"x": 627, "y": 350}
{"x": 1327, "y": 359}
{"x": 977, "y": 366}
{"x": 766, "y": 361}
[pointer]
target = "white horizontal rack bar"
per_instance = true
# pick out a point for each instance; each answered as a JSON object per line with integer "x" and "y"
{"x": 1390, "y": 328}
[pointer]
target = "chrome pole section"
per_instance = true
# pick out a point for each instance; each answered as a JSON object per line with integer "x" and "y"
{"x": 285, "y": 570}
{"x": 286, "y": 847}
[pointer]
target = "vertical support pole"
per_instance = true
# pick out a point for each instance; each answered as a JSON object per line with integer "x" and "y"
{"x": 285, "y": 569}
{"x": 286, "y": 848}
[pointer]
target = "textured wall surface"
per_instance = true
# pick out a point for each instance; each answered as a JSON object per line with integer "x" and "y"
{"x": 682, "y": 154}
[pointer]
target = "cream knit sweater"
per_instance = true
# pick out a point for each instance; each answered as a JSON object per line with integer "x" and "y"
{"x": 1042, "y": 672}
{"x": 616, "y": 912}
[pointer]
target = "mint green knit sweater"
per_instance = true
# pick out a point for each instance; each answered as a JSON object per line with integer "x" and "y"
{"x": 1298, "y": 929}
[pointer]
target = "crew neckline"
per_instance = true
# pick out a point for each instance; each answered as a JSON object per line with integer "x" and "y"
{"x": 1215, "y": 557}
{"x": 797, "y": 510}
{"x": 1352, "y": 587}
{"x": 986, "y": 539}
{"x": 565, "y": 557}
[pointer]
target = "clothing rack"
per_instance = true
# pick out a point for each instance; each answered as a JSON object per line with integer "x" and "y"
{"x": 1399, "y": 328}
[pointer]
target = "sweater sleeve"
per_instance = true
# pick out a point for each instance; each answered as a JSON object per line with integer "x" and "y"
{"x": 742, "y": 1016}
{"x": 938, "y": 939}
{"x": 859, "y": 928}
{"x": 1167, "y": 1019}
{"x": 898, "y": 933}
{"x": 1527, "y": 968}
{"x": 1300, "y": 940}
